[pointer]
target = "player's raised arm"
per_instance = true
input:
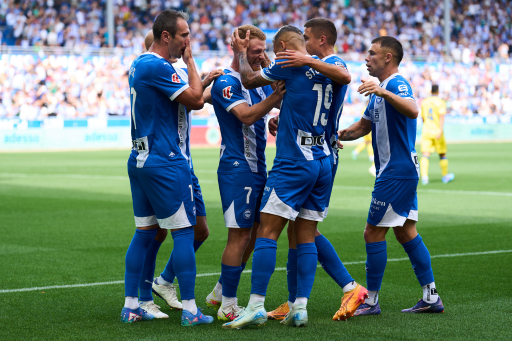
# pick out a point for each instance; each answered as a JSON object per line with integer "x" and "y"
{"x": 250, "y": 79}
{"x": 192, "y": 97}
{"x": 336, "y": 73}
{"x": 405, "y": 105}
{"x": 248, "y": 115}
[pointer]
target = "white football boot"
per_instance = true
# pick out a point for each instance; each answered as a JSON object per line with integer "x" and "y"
{"x": 153, "y": 309}
{"x": 168, "y": 294}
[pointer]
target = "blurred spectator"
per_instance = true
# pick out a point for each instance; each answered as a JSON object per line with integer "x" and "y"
{"x": 33, "y": 88}
{"x": 480, "y": 29}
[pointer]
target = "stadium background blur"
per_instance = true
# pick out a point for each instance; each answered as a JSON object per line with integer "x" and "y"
{"x": 57, "y": 71}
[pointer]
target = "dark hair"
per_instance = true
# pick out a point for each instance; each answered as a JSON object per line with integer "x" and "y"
{"x": 285, "y": 29}
{"x": 167, "y": 21}
{"x": 435, "y": 88}
{"x": 393, "y": 44}
{"x": 322, "y": 26}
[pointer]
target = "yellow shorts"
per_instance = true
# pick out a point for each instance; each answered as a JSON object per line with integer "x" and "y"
{"x": 368, "y": 138}
{"x": 429, "y": 145}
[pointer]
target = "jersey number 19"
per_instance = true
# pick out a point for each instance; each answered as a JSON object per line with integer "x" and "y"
{"x": 326, "y": 98}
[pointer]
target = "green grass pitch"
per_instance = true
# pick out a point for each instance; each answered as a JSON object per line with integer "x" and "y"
{"x": 66, "y": 219}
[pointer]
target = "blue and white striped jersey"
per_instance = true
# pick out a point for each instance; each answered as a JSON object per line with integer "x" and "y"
{"x": 243, "y": 147}
{"x": 393, "y": 134}
{"x": 338, "y": 98}
{"x": 304, "y": 112}
{"x": 158, "y": 121}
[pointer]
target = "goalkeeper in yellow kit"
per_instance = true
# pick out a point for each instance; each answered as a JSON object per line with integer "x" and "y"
{"x": 433, "y": 110}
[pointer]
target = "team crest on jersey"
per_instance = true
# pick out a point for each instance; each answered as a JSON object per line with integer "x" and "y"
{"x": 226, "y": 92}
{"x": 175, "y": 78}
{"x": 378, "y": 100}
{"x": 247, "y": 214}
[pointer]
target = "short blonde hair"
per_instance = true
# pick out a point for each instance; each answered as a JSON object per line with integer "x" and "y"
{"x": 256, "y": 33}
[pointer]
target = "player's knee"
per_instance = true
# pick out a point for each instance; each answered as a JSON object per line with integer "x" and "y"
{"x": 374, "y": 234}
{"x": 161, "y": 234}
{"x": 426, "y": 155}
{"x": 201, "y": 231}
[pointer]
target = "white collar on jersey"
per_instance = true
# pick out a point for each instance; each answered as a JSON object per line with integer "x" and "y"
{"x": 389, "y": 78}
{"x": 154, "y": 54}
{"x": 329, "y": 56}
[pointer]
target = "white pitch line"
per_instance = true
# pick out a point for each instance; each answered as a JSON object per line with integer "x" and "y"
{"x": 248, "y": 271}
{"x": 361, "y": 188}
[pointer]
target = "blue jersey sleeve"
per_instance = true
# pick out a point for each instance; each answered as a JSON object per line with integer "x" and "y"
{"x": 227, "y": 91}
{"x": 400, "y": 87}
{"x": 166, "y": 79}
{"x": 366, "y": 114}
{"x": 275, "y": 72}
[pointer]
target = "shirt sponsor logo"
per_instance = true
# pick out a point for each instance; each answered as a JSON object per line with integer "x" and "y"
{"x": 378, "y": 203}
{"x": 226, "y": 92}
{"x": 175, "y": 78}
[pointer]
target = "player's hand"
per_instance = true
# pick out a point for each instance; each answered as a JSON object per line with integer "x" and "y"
{"x": 294, "y": 59}
{"x": 280, "y": 89}
{"x": 187, "y": 53}
{"x": 370, "y": 87}
{"x": 238, "y": 44}
{"x": 341, "y": 135}
{"x": 210, "y": 77}
{"x": 272, "y": 125}
{"x": 266, "y": 62}
{"x": 439, "y": 135}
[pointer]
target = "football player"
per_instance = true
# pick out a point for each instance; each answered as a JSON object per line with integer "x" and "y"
{"x": 160, "y": 177}
{"x": 320, "y": 36}
{"x": 300, "y": 178}
{"x": 164, "y": 287}
{"x": 433, "y": 110}
{"x": 242, "y": 172}
{"x": 391, "y": 118}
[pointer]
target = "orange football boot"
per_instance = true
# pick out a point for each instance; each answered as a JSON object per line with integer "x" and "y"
{"x": 350, "y": 302}
{"x": 280, "y": 312}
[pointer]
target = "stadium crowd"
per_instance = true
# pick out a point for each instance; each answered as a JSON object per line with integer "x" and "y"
{"x": 480, "y": 29}
{"x": 33, "y": 88}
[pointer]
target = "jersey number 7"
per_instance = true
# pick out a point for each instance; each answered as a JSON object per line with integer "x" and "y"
{"x": 326, "y": 98}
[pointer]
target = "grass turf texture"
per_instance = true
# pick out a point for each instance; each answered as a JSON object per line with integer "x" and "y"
{"x": 66, "y": 218}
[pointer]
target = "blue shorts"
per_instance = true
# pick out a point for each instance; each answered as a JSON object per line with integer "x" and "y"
{"x": 241, "y": 193}
{"x": 198, "y": 195}
{"x": 163, "y": 196}
{"x": 334, "y": 169}
{"x": 393, "y": 202}
{"x": 298, "y": 189}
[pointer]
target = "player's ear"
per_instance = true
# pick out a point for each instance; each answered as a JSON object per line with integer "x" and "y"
{"x": 283, "y": 45}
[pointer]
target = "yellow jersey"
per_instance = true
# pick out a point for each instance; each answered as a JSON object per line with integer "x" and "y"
{"x": 431, "y": 110}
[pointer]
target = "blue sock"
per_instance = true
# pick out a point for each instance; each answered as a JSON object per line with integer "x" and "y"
{"x": 184, "y": 263}
{"x": 232, "y": 276}
{"x": 420, "y": 260}
{"x": 263, "y": 264}
{"x": 197, "y": 244}
{"x": 168, "y": 273}
{"x": 376, "y": 259}
{"x": 330, "y": 261}
{"x": 146, "y": 281}
{"x": 291, "y": 274}
{"x": 307, "y": 257}
{"x": 220, "y": 278}
{"x": 134, "y": 260}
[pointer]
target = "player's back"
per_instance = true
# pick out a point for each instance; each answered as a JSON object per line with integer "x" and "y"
{"x": 338, "y": 99}
{"x": 243, "y": 147}
{"x": 431, "y": 109}
{"x": 154, "y": 86}
{"x": 393, "y": 134}
{"x": 304, "y": 112}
